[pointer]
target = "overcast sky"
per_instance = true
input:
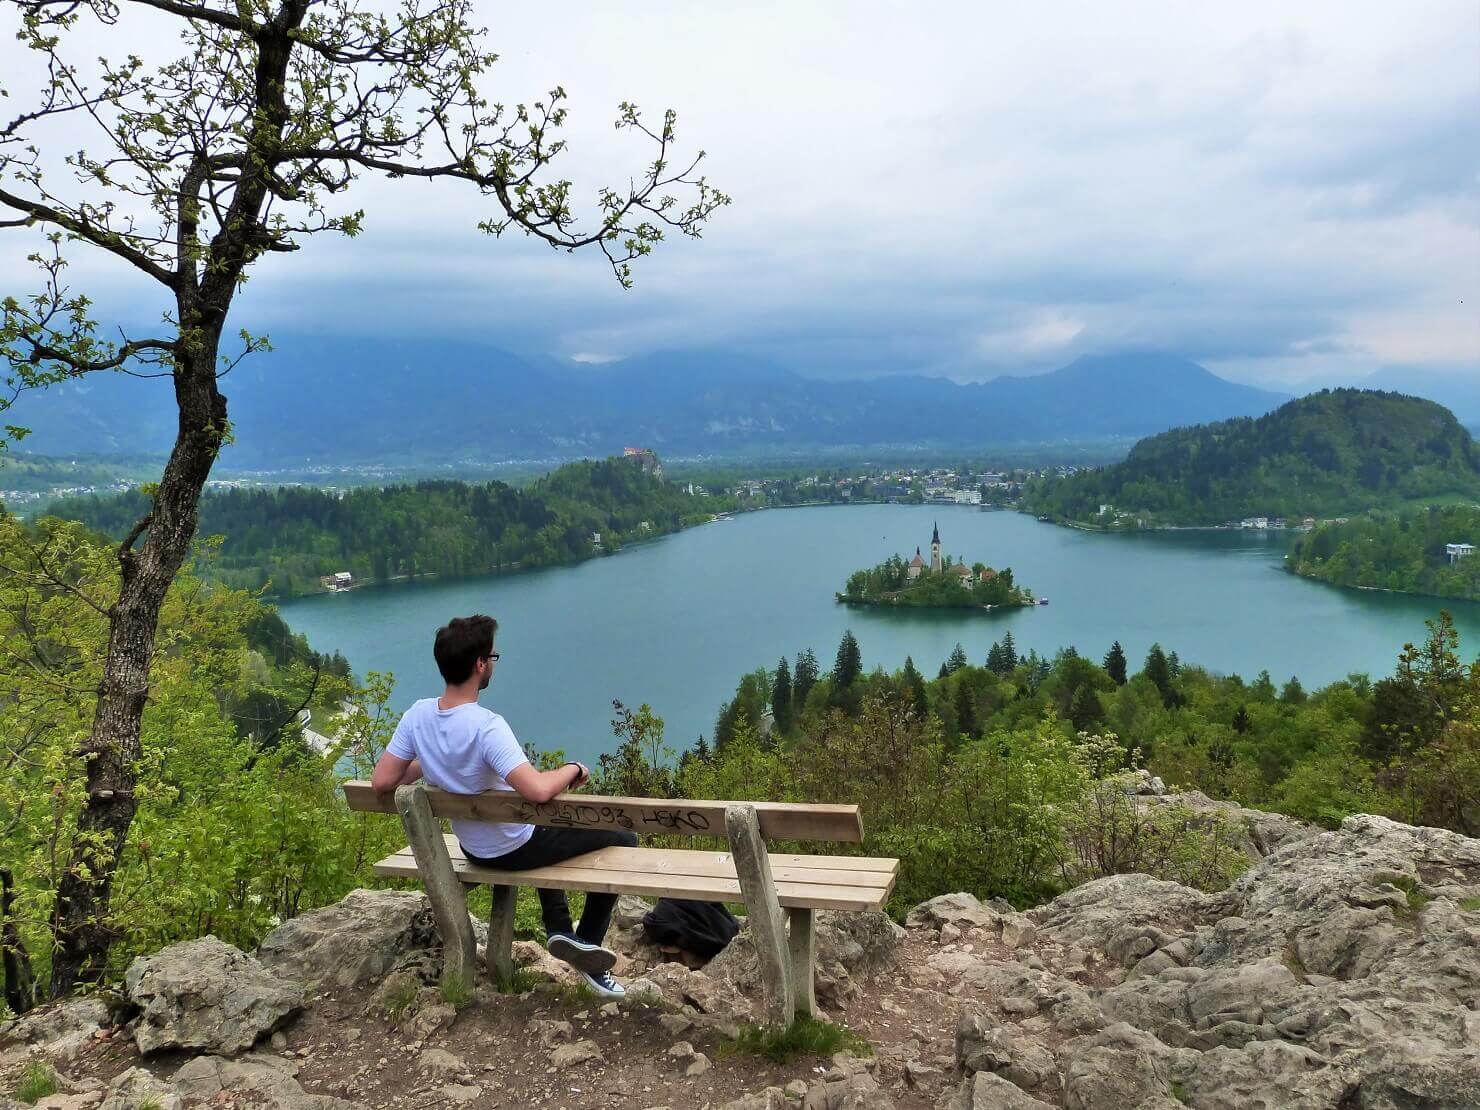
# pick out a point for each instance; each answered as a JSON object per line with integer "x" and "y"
{"x": 1286, "y": 192}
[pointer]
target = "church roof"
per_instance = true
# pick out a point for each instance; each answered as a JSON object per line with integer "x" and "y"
{"x": 935, "y": 538}
{"x": 988, "y": 572}
{"x": 961, "y": 570}
{"x": 917, "y": 561}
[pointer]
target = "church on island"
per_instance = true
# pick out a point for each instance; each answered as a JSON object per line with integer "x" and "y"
{"x": 960, "y": 571}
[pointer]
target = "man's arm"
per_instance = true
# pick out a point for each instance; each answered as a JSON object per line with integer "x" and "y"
{"x": 392, "y": 771}
{"x": 541, "y": 786}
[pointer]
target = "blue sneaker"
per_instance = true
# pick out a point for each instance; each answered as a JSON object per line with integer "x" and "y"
{"x": 604, "y": 985}
{"x": 589, "y": 959}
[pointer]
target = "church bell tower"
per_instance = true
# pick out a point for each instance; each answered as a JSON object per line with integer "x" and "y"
{"x": 935, "y": 551}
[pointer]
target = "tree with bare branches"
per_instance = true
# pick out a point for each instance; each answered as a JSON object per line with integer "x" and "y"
{"x": 243, "y": 145}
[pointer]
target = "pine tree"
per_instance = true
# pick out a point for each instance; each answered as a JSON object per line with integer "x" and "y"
{"x": 995, "y": 659}
{"x": 1115, "y": 663}
{"x": 1293, "y": 693}
{"x": 914, "y": 687}
{"x": 1241, "y": 721}
{"x": 804, "y": 678}
{"x": 849, "y": 663}
{"x": 957, "y": 659}
{"x": 781, "y": 697}
{"x": 1174, "y": 665}
{"x": 965, "y": 711}
{"x": 1009, "y": 652}
{"x": 1159, "y": 671}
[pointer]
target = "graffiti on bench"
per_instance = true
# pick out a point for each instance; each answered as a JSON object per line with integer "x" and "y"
{"x": 582, "y": 815}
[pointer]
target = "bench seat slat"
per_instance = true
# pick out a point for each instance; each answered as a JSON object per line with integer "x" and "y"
{"x": 863, "y": 891}
{"x": 778, "y": 859}
{"x": 701, "y": 865}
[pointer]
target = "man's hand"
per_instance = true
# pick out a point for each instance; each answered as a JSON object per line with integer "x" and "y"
{"x": 583, "y": 776}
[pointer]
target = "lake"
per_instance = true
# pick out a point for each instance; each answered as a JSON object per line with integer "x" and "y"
{"x": 675, "y": 622}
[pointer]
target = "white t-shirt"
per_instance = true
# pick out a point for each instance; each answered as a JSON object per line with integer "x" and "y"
{"x": 464, "y": 750}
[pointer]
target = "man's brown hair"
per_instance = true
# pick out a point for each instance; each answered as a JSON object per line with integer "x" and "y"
{"x": 461, "y": 642}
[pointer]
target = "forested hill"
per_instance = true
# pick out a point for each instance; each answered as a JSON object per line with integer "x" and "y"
{"x": 1332, "y": 453}
{"x": 288, "y": 537}
{"x": 1395, "y": 551}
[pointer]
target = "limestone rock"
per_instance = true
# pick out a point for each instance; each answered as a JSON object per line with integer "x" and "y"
{"x": 579, "y": 1052}
{"x": 137, "y": 1087}
{"x": 986, "y": 1091}
{"x": 355, "y": 941}
{"x": 847, "y": 946}
{"x": 439, "y": 1061}
{"x": 772, "y": 1098}
{"x": 204, "y": 994}
{"x": 960, "y": 909}
{"x": 267, "y": 1080}
{"x": 1092, "y": 915}
{"x": 1119, "y": 1066}
{"x": 58, "y": 1030}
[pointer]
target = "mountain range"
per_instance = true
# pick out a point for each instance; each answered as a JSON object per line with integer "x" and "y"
{"x": 317, "y": 400}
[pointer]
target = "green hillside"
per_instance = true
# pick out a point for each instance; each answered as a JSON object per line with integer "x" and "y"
{"x": 284, "y": 539}
{"x": 1395, "y": 551}
{"x": 1333, "y": 453}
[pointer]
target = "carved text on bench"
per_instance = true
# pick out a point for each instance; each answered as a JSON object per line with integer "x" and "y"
{"x": 655, "y": 818}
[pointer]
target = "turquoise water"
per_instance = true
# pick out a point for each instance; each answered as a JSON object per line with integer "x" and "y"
{"x": 675, "y": 622}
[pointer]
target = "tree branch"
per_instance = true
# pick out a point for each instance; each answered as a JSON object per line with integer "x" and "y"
{"x": 82, "y": 229}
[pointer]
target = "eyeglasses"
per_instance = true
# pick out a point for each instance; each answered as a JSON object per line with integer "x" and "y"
{"x": 493, "y": 656}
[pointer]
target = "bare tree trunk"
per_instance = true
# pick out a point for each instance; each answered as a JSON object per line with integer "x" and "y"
{"x": 20, "y": 982}
{"x": 80, "y": 918}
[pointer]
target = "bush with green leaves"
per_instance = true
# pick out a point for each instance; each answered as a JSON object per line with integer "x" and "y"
{"x": 239, "y": 825}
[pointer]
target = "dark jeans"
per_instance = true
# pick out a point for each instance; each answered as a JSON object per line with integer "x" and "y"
{"x": 549, "y": 846}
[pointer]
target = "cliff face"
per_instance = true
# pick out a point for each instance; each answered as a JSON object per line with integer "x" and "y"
{"x": 1341, "y": 972}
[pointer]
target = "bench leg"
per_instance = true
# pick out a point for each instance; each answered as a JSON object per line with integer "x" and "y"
{"x": 501, "y": 935}
{"x": 449, "y": 901}
{"x": 800, "y": 939}
{"x": 767, "y": 927}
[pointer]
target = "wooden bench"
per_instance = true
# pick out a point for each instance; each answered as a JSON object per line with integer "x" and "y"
{"x": 768, "y": 884}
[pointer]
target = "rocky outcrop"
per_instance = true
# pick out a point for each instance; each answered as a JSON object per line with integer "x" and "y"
{"x": 1341, "y": 971}
{"x": 849, "y": 948}
{"x": 261, "y": 1079}
{"x": 62, "y": 1029}
{"x": 208, "y": 996}
{"x": 353, "y": 942}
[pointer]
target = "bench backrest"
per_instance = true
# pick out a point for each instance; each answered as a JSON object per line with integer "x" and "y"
{"x": 657, "y": 816}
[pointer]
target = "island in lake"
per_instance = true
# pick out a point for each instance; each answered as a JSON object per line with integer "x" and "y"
{"x": 942, "y": 583}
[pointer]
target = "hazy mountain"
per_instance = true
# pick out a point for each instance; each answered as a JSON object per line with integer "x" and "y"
{"x": 368, "y": 401}
{"x": 1335, "y": 452}
{"x": 1459, "y": 393}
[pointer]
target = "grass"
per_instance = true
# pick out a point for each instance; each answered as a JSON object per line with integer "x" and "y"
{"x": 149, "y": 1102}
{"x": 573, "y": 994}
{"x": 1469, "y": 905}
{"x": 805, "y": 1036}
{"x": 1179, "y": 1090}
{"x": 455, "y": 991}
{"x": 522, "y": 981}
{"x": 400, "y": 998}
{"x": 37, "y": 1081}
{"x": 1417, "y": 899}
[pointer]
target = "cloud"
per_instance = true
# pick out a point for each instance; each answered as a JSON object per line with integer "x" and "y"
{"x": 1284, "y": 191}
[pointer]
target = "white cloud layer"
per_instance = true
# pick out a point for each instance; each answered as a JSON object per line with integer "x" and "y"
{"x": 1288, "y": 192}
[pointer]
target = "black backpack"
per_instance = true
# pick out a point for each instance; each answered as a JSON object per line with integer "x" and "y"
{"x": 703, "y": 928}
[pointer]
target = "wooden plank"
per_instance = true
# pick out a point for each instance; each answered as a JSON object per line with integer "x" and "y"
{"x": 657, "y": 861}
{"x": 887, "y": 864}
{"x": 800, "y": 943}
{"x": 500, "y": 953}
{"x": 778, "y": 820}
{"x": 434, "y": 866}
{"x": 767, "y": 926}
{"x": 812, "y": 895}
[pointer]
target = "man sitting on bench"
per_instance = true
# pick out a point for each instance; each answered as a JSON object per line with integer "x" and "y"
{"x": 463, "y": 748}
